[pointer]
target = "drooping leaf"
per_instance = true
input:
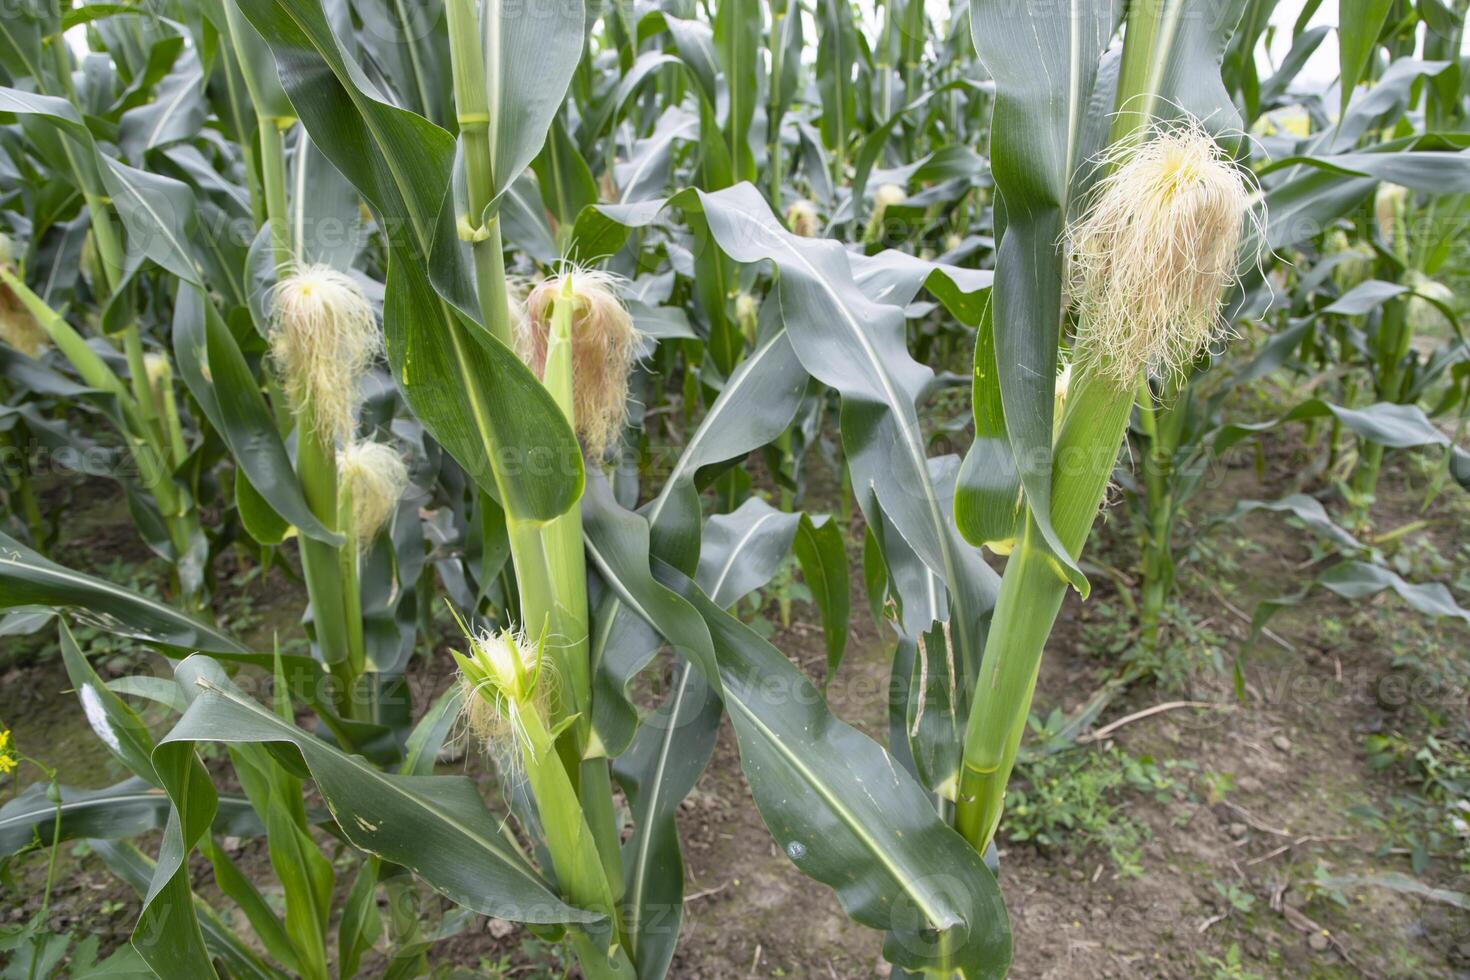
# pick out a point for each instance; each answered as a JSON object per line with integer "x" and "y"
{"x": 126, "y": 809}
{"x": 817, "y": 781}
{"x": 435, "y": 825}
{"x": 31, "y": 580}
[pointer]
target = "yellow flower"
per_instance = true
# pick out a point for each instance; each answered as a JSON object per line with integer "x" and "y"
{"x": 7, "y": 752}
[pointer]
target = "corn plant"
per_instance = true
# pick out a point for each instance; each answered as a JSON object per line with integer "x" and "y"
{"x": 586, "y": 263}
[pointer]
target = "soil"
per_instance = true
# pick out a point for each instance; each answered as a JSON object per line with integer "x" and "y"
{"x": 1292, "y": 760}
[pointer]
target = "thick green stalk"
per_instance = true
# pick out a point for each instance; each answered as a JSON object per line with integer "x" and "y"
{"x": 549, "y": 560}
{"x": 561, "y": 544}
{"x": 573, "y": 849}
{"x": 1156, "y": 459}
{"x": 565, "y": 607}
{"x": 233, "y": 82}
{"x": 172, "y": 426}
{"x": 334, "y": 597}
{"x": 273, "y": 175}
{"x": 149, "y": 454}
{"x": 472, "y": 112}
{"x": 138, "y": 377}
{"x": 109, "y": 249}
{"x": 1394, "y": 340}
{"x": 490, "y": 285}
{"x": 1140, "y": 75}
{"x": 316, "y": 465}
{"x": 1031, "y": 593}
{"x": 180, "y": 519}
{"x": 348, "y": 559}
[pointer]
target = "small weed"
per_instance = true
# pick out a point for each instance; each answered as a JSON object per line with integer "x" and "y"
{"x": 1227, "y": 967}
{"x": 1217, "y": 785}
{"x": 1433, "y": 821}
{"x": 1237, "y": 898}
{"x": 1078, "y": 798}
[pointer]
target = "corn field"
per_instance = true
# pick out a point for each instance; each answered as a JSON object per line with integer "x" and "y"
{"x": 543, "y": 488}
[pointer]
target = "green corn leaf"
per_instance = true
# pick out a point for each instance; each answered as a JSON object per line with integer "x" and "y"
{"x": 562, "y": 172}
{"x": 168, "y": 935}
{"x": 741, "y": 551}
{"x": 737, "y": 25}
{"x": 816, "y": 780}
{"x": 821, "y": 549}
{"x": 31, "y": 580}
{"x": 361, "y": 925}
{"x": 436, "y": 826}
{"x": 1306, "y": 509}
{"x": 1360, "y": 22}
{"x": 306, "y": 878}
{"x": 756, "y": 405}
{"x": 1438, "y": 172}
{"x": 176, "y": 113}
{"x": 136, "y": 868}
{"x": 659, "y": 769}
{"x": 1357, "y": 580}
{"x": 1044, "y": 70}
{"x": 127, "y": 809}
{"x": 115, "y": 724}
{"x": 258, "y": 912}
{"x": 1384, "y": 423}
{"x": 858, "y": 346}
{"x": 529, "y": 61}
{"x": 836, "y": 60}
{"x": 216, "y": 373}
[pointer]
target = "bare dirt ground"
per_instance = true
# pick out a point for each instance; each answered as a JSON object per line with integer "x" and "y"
{"x": 1257, "y": 806}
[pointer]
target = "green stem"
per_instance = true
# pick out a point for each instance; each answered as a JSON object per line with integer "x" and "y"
{"x": 233, "y": 81}
{"x": 140, "y": 411}
{"x": 1031, "y": 593}
{"x": 1032, "y": 589}
{"x": 348, "y": 560}
{"x": 148, "y": 452}
{"x": 560, "y": 547}
{"x": 273, "y": 171}
{"x": 316, "y": 465}
{"x": 173, "y": 427}
{"x": 490, "y": 286}
{"x": 773, "y": 115}
{"x": 1139, "y": 75}
{"x": 573, "y": 849}
{"x": 53, "y": 793}
{"x": 1157, "y": 457}
{"x": 1394, "y": 340}
{"x": 472, "y": 112}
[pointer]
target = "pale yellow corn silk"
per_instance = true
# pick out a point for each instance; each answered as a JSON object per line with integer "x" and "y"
{"x": 801, "y": 218}
{"x": 1390, "y": 202}
{"x": 372, "y": 475}
{"x": 18, "y": 327}
{"x": 745, "y": 307}
{"x": 501, "y": 677}
{"x": 1352, "y": 262}
{"x": 323, "y": 339}
{"x": 1422, "y": 313}
{"x": 887, "y": 195}
{"x": 604, "y": 343}
{"x": 1151, "y": 255}
{"x": 160, "y": 374}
